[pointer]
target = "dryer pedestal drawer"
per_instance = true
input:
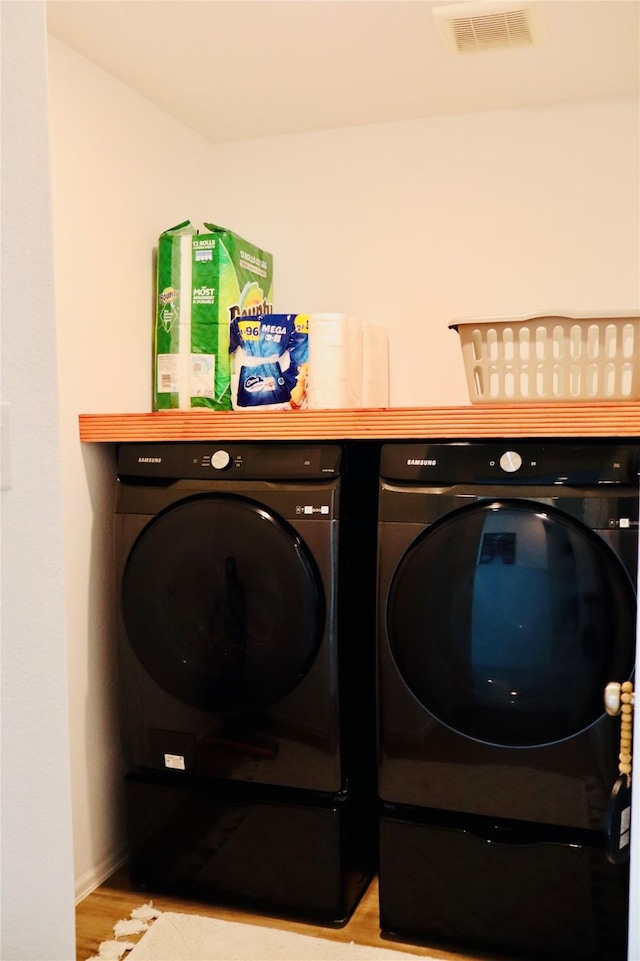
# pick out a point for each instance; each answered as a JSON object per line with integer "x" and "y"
{"x": 522, "y": 896}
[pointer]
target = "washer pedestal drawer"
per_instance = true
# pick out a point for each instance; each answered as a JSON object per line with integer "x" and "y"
{"x": 290, "y": 853}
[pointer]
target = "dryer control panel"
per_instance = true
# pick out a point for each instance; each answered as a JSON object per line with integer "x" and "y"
{"x": 512, "y": 461}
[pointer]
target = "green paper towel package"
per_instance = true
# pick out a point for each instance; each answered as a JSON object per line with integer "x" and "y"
{"x": 205, "y": 279}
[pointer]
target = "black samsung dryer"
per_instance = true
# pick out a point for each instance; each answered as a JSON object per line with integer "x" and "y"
{"x": 246, "y": 657}
{"x": 506, "y": 602}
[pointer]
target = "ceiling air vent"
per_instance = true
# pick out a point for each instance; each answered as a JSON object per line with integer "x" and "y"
{"x": 487, "y": 25}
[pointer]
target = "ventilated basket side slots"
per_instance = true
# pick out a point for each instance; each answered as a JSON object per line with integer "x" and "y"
{"x": 628, "y": 374}
{"x": 559, "y": 348}
{"x": 543, "y": 386}
{"x": 630, "y": 368}
{"x": 593, "y": 379}
{"x": 612, "y": 351}
{"x": 552, "y": 358}
{"x": 477, "y": 384}
{"x": 629, "y": 332}
{"x": 495, "y": 369}
{"x": 477, "y": 342}
{"x": 584, "y": 349}
{"x": 593, "y": 342}
{"x": 524, "y": 386}
{"x": 504, "y": 366}
{"x": 597, "y": 360}
{"x": 480, "y": 348}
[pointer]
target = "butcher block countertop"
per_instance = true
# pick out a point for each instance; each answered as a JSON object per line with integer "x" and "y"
{"x": 392, "y": 423}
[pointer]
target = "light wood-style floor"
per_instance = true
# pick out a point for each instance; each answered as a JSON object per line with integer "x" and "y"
{"x": 116, "y": 898}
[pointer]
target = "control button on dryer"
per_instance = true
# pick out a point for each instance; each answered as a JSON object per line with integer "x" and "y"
{"x": 220, "y": 459}
{"x": 511, "y": 461}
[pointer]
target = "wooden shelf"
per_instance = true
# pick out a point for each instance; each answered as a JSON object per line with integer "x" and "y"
{"x": 432, "y": 423}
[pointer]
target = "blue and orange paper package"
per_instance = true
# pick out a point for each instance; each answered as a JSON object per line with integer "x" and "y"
{"x": 205, "y": 279}
{"x": 270, "y": 361}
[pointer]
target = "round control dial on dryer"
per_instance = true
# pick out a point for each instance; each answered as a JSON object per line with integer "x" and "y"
{"x": 220, "y": 459}
{"x": 511, "y": 461}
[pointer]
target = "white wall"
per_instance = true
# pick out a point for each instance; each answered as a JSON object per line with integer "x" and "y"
{"x": 410, "y": 224}
{"x": 415, "y": 224}
{"x": 122, "y": 172}
{"x": 37, "y": 866}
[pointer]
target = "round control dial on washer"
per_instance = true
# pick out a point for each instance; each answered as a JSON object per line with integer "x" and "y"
{"x": 220, "y": 459}
{"x": 511, "y": 461}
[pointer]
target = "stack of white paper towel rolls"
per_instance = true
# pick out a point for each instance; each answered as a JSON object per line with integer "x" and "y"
{"x": 348, "y": 363}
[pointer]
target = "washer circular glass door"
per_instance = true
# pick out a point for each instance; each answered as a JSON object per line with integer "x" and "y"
{"x": 222, "y": 603}
{"x": 507, "y": 619}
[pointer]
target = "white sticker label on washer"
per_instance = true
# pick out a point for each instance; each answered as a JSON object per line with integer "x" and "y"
{"x": 174, "y": 761}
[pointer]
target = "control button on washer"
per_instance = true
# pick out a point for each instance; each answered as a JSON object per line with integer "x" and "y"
{"x": 220, "y": 459}
{"x": 511, "y": 461}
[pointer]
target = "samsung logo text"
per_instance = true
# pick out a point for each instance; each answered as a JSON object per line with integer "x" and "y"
{"x": 417, "y": 462}
{"x": 149, "y": 460}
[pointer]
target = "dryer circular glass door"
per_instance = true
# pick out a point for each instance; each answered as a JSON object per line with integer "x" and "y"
{"x": 222, "y": 603}
{"x": 506, "y": 620}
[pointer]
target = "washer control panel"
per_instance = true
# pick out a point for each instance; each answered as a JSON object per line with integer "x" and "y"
{"x": 208, "y": 461}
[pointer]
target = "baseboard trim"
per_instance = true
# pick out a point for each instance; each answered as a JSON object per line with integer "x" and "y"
{"x": 92, "y": 879}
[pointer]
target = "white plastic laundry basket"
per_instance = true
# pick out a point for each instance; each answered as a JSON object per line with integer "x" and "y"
{"x": 541, "y": 359}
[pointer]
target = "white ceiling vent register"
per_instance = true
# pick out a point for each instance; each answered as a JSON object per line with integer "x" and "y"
{"x": 488, "y": 25}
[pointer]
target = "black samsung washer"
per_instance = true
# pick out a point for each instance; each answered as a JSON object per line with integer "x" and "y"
{"x": 506, "y": 584}
{"x": 243, "y": 686}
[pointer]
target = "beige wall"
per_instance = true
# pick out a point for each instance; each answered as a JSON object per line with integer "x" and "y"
{"x": 409, "y": 225}
{"x": 37, "y": 865}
